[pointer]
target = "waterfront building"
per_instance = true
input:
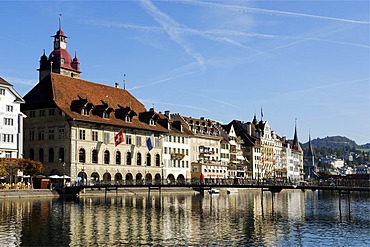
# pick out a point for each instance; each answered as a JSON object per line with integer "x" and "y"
{"x": 269, "y": 155}
{"x": 176, "y": 146}
{"x": 11, "y": 120}
{"x": 250, "y": 145}
{"x": 89, "y": 130}
{"x": 205, "y": 146}
{"x": 237, "y": 167}
{"x": 295, "y": 170}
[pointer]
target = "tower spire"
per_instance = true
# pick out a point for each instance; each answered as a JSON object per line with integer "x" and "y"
{"x": 60, "y": 21}
{"x": 296, "y": 141}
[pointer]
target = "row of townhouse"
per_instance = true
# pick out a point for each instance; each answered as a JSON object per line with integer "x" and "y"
{"x": 72, "y": 126}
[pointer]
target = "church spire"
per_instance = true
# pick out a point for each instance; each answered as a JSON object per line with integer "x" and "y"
{"x": 296, "y": 141}
{"x": 310, "y": 149}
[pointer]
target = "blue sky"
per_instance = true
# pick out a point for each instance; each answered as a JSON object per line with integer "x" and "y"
{"x": 224, "y": 60}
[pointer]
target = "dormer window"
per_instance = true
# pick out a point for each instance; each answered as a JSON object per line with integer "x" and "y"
{"x": 151, "y": 122}
{"x": 84, "y": 111}
{"x": 128, "y": 119}
{"x": 106, "y": 115}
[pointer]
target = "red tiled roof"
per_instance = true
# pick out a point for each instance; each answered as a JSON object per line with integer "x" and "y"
{"x": 62, "y": 90}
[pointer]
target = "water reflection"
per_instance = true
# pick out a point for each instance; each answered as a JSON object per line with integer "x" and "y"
{"x": 246, "y": 218}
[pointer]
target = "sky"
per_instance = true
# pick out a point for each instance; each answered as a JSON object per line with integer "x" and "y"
{"x": 299, "y": 63}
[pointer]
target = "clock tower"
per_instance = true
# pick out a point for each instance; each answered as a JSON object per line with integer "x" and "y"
{"x": 59, "y": 60}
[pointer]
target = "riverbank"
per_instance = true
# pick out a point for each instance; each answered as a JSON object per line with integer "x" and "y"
{"x": 37, "y": 193}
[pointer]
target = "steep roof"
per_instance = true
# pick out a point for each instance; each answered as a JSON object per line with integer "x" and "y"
{"x": 64, "y": 91}
{"x": 6, "y": 84}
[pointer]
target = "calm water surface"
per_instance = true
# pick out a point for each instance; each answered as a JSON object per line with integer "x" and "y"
{"x": 247, "y": 218}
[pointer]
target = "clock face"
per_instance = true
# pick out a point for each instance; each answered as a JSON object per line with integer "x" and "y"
{"x": 63, "y": 45}
{"x": 56, "y": 45}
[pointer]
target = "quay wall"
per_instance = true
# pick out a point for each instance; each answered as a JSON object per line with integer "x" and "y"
{"x": 39, "y": 193}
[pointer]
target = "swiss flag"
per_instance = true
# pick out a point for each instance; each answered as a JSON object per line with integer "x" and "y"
{"x": 119, "y": 138}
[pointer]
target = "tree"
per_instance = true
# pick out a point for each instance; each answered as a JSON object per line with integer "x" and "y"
{"x": 10, "y": 167}
{"x": 31, "y": 167}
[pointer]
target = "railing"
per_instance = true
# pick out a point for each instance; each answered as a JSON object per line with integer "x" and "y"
{"x": 232, "y": 182}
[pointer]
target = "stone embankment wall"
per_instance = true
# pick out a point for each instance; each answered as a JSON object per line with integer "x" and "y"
{"x": 26, "y": 193}
{"x": 38, "y": 193}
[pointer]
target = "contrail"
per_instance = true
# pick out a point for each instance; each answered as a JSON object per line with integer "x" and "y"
{"x": 268, "y": 11}
{"x": 162, "y": 80}
{"x": 170, "y": 26}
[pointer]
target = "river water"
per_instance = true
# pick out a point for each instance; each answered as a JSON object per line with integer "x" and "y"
{"x": 247, "y": 218}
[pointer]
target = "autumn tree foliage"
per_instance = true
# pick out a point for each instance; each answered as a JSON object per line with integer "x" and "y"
{"x": 10, "y": 166}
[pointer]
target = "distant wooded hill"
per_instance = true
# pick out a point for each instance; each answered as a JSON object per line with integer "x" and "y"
{"x": 340, "y": 142}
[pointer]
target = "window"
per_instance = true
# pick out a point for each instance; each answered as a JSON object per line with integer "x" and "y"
{"x": 106, "y": 157}
{"x": 138, "y": 140}
{"x": 138, "y": 159}
{"x": 157, "y": 160}
{"x": 81, "y": 155}
{"x": 106, "y": 138}
{"x": 32, "y": 113}
{"x": 165, "y": 150}
{"x": 106, "y": 115}
{"x": 2, "y": 91}
{"x": 51, "y": 155}
{"x": 187, "y": 151}
{"x": 32, "y": 154}
{"x": 9, "y": 108}
{"x": 32, "y": 135}
{"x": 95, "y": 136}
{"x": 82, "y": 134}
{"x": 61, "y": 133}
{"x": 8, "y": 154}
{"x": 41, "y": 155}
{"x": 51, "y": 134}
{"x": 8, "y": 121}
{"x": 42, "y": 113}
{"x": 84, "y": 111}
{"x": 128, "y": 139}
{"x": 61, "y": 154}
{"x": 127, "y": 119}
{"x": 8, "y": 138}
{"x": 128, "y": 158}
{"x": 41, "y": 135}
{"x": 183, "y": 140}
{"x": 94, "y": 157}
{"x": 148, "y": 160}
{"x": 118, "y": 158}
{"x": 151, "y": 122}
{"x": 51, "y": 112}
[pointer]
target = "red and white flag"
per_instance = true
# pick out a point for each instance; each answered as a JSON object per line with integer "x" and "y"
{"x": 119, "y": 138}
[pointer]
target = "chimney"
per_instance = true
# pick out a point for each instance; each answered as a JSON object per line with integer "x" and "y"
{"x": 167, "y": 114}
{"x": 116, "y": 84}
{"x": 249, "y": 128}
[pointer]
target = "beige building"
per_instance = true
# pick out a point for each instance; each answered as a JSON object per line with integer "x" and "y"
{"x": 72, "y": 125}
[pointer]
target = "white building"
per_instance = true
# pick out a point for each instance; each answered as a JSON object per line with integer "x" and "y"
{"x": 11, "y": 121}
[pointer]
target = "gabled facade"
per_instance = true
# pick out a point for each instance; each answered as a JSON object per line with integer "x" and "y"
{"x": 237, "y": 167}
{"x": 11, "y": 120}
{"x": 205, "y": 146}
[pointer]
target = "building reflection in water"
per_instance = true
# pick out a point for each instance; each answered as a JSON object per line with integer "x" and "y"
{"x": 245, "y": 218}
